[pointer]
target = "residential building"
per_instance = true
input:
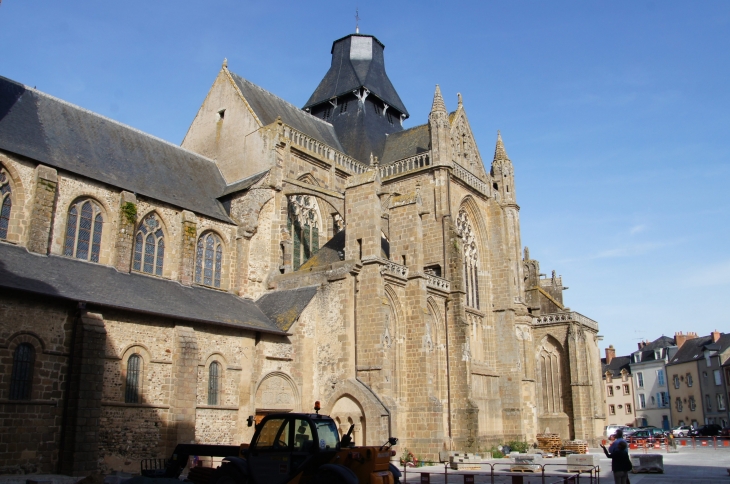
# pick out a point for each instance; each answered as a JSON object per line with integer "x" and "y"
{"x": 697, "y": 389}
{"x": 619, "y": 387}
{"x": 650, "y": 382}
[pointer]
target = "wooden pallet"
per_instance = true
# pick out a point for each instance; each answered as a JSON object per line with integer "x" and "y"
{"x": 550, "y": 443}
{"x": 577, "y": 446}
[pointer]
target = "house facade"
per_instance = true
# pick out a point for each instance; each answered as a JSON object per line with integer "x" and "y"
{"x": 651, "y": 398}
{"x": 619, "y": 387}
{"x": 697, "y": 390}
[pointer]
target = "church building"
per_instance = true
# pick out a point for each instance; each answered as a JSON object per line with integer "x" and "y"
{"x": 155, "y": 294}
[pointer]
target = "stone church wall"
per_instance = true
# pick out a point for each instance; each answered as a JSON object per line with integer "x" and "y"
{"x": 30, "y": 433}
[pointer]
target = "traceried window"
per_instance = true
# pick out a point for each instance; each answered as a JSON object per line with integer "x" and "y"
{"x": 83, "y": 231}
{"x": 675, "y": 378}
{"x": 21, "y": 379}
{"x": 678, "y": 404}
{"x": 303, "y": 222}
{"x": 214, "y": 374}
{"x": 610, "y": 390}
{"x": 626, "y": 390}
{"x": 209, "y": 260}
{"x": 692, "y": 403}
{"x": 688, "y": 379}
{"x": 628, "y": 408}
{"x": 612, "y": 409}
{"x": 5, "y": 204}
{"x": 471, "y": 259}
{"x": 149, "y": 246}
{"x": 549, "y": 378}
{"x": 134, "y": 369}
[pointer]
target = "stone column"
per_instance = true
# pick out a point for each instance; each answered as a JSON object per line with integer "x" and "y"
{"x": 41, "y": 218}
{"x": 80, "y": 443}
{"x": 125, "y": 231}
{"x": 580, "y": 387}
{"x": 187, "y": 252}
{"x": 184, "y": 388}
{"x": 463, "y": 414}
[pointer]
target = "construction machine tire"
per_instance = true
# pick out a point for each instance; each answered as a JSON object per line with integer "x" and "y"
{"x": 335, "y": 474}
{"x": 228, "y": 474}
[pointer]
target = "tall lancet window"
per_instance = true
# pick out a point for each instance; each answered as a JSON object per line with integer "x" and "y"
{"x": 471, "y": 259}
{"x": 548, "y": 375}
{"x": 149, "y": 246}
{"x": 83, "y": 231}
{"x": 209, "y": 260}
{"x": 303, "y": 222}
{"x": 5, "y": 204}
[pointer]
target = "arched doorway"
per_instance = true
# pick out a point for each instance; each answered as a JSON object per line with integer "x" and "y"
{"x": 275, "y": 393}
{"x": 346, "y": 412}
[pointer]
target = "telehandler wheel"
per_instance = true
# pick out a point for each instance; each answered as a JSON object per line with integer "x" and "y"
{"x": 329, "y": 477}
{"x": 228, "y": 474}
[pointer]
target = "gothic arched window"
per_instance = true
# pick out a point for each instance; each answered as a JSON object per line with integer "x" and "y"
{"x": 134, "y": 369}
{"x": 21, "y": 380}
{"x": 471, "y": 259}
{"x": 549, "y": 375}
{"x": 5, "y": 204}
{"x": 214, "y": 375}
{"x": 149, "y": 246}
{"x": 303, "y": 222}
{"x": 209, "y": 260}
{"x": 83, "y": 231}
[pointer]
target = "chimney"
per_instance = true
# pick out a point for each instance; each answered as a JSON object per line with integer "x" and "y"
{"x": 715, "y": 336}
{"x": 679, "y": 339}
{"x": 642, "y": 344}
{"x": 610, "y": 354}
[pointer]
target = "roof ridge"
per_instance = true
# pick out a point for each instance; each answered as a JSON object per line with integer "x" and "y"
{"x": 106, "y": 118}
{"x": 282, "y": 100}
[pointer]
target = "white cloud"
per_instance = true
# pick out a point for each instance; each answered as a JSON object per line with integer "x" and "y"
{"x": 637, "y": 228}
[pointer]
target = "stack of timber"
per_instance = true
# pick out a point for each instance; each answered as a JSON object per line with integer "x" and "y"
{"x": 549, "y": 443}
{"x": 576, "y": 446}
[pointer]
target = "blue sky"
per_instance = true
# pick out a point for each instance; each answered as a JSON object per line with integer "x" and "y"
{"x": 615, "y": 114}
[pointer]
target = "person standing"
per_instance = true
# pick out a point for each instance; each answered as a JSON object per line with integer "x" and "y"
{"x": 620, "y": 461}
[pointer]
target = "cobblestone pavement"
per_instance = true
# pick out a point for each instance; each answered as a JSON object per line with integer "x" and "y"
{"x": 695, "y": 466}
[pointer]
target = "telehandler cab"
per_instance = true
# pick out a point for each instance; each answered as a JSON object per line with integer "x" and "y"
{"x": 287, "y": 448}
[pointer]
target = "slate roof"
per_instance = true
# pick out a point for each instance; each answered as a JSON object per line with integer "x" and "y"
{"x": 357, "y": 61}
{"x": 407, "y": 143}
{"x": 285, "y": 307}
{"x": 244, "y": 183}
{"x": 104, "y": 286}
{"x": 268, "y": 107}
{"x": 648, "y": 351}
{"x": 693, "y": 349}
{"x": 618, "y": 363}
{"x": 330, "y": 252}
{"x": 53, "y": 132}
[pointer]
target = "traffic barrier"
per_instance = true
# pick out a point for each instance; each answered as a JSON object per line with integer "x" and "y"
{"x": 492, "y": 470}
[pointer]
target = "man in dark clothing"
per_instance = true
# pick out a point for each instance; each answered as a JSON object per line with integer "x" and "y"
{"x": 620, "y": 461}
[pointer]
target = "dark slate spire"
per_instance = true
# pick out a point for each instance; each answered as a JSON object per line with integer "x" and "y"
{"x": 357, "y": 97}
